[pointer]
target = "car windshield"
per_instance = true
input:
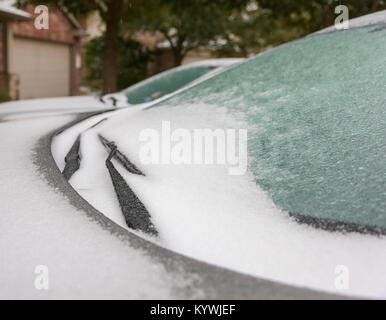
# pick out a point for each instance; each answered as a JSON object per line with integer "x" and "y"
{"x": 315, "y": 109}
{"x": 163, "y": 84}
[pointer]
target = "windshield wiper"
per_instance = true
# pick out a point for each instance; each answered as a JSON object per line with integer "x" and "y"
{"x": 72, "y": 160}
{"x": 136, "y": 215}
{"x": 120, "y": 157}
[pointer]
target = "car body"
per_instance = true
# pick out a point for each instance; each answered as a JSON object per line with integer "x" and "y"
{"x": 306, "y": 220}
{"x": 169, "y": 82}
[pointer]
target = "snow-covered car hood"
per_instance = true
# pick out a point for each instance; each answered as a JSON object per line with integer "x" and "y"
{"x": 217, "y": 235}
{"x": 46, "y": 226}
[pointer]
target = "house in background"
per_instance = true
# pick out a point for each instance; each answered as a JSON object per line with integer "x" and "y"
{"x": 49, "y": 63}
{"x": 39, "y": 63}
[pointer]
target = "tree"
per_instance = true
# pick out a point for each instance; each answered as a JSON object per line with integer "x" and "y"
{"x": 266, "y": 23}
{"x": 240, "y": 28}
{"x": 254, "y": 30}
{"x": 112, "y": 18}
{"x": 188, "y": 24}
{"x": 313, "y": 15}
{"x": 132, "y": 61}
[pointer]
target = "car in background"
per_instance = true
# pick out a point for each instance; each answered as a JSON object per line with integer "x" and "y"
{"x": 144, "y": 93}
{"x": 168, "y": 83}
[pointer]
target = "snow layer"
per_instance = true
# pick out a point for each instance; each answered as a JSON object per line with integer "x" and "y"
{"x": 48, "y": 106}
{"x": 62, "y": 144}
{"x": 203, "y": 212}
{"x": 39, "y": 227}
{"x": 92, "y": 181}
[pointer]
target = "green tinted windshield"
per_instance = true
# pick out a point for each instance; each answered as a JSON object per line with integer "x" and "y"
{"x": 318, "y": 109}
{"x": 165, "y": 83}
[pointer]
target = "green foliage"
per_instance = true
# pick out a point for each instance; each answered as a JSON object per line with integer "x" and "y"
{"x": 312, "y": 15}
{"x": 187, "y": 25}
{"x": 240, "y": 28}
{"x": 4, "y": 96}
{"x": 132, "y": 61}
{"x": 266, "y": 23}
{"x": 93, "y": 59}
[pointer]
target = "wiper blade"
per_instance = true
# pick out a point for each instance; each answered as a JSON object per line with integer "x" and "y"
{"x": 72, "y": 160}
{"x": 119, "y": 156}
{"x": 136, "y": 215}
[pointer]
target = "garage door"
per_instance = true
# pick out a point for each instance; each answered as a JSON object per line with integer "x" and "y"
{"x": 43, "y": 67}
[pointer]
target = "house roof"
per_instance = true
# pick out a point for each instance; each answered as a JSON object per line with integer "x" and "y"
{"x": 79, "y": 31}
{"x": 9, "y": 12}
